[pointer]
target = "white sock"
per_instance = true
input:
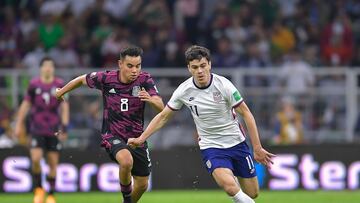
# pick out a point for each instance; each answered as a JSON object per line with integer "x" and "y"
{"x": 241, "y": 197}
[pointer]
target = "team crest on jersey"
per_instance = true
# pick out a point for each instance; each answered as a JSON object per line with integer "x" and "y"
{"x": 135, "y": 91}
{"x": 208, "y": 163}
{"x": 53, "y": 91}
{"x": 38, "y": 91}
{"x": 217, "y": 96}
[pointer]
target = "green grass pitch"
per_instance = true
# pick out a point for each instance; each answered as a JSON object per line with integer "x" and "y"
{"x": 197, "y": 196}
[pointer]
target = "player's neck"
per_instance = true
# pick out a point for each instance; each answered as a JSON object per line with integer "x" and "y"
{"x": 47, "y": 80}
{"x": 124, "y": 80}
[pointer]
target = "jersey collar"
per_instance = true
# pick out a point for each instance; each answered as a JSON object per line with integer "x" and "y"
{"x": 211, "y": 79}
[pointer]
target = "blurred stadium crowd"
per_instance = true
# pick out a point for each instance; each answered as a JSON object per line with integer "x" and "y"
{"x": 90, "y": 33}
{"x": 240, "y": 33}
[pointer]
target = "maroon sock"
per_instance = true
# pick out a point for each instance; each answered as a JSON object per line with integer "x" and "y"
{"x": 126, "y": 189}
{"x": 51, "y": 181}
{"x": 36, "y": 180}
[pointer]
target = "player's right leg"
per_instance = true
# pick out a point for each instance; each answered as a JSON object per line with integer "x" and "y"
{"x": 125, "y": 161}
{"x": 225, "y": 178}
{"x": 36, "y": 153}
{"x": 118, "y": 152}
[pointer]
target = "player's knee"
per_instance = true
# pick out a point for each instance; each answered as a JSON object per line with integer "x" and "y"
{"x": 126, "y": 164}
{"x": 253, "y": 194}
{"x": 230, "y": 189}
{"x": 143, "y": 186}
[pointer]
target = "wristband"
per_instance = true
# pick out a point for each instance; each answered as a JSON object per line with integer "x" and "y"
{"x": 64, "y": 128}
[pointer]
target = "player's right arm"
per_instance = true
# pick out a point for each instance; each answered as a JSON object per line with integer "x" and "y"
{"x": 155, "y": 124}
{"x": 23, "y": 110}
{"x": 73, "y": 84}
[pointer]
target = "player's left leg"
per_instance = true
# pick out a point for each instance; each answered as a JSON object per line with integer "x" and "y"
{"x": 53, "y": 161}
{"x": 250, "y": 186}
{"x": 53, "y": 155}
{"x": 140, "y": 172}
{"x": 225, "y": 178}
{"x": 140, "y": 186}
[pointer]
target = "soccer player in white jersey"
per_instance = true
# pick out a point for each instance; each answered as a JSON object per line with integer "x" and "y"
{"x": 213, "y": 101}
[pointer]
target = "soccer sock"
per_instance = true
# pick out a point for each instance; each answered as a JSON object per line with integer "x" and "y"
{"x": 126, "y": 191}
{"x": 36, "y": 180}
{"x": 51, "y": 181}
{"x": 241, "y": 197}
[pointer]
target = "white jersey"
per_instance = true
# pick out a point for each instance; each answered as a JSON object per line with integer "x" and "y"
{"x": 212, "y": 109}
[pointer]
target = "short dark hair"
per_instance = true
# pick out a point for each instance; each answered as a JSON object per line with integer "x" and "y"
{"x": 196, "y": 52}
{"x": 44, "y": 59}
{"x": 131, "y": 51}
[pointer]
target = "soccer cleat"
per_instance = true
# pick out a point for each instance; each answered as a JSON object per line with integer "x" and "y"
{"x": 127, "y": 198}
{"x": 39, "y": 195}
{"x": 50, "y": 199}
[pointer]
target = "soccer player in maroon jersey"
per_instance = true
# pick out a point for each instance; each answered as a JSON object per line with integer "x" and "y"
{"x": 49, "y": 119}
{"x": 124, "y": 93}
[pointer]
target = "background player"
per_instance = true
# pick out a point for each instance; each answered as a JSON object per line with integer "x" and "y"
{"x": 48, "y": 117}
{"x": 124, "y": 92}
{"x": 212, "y": 99}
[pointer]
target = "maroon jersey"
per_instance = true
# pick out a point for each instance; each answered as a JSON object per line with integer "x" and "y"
{"x": 123, "y": 113}
{"x": 44, "y": 113}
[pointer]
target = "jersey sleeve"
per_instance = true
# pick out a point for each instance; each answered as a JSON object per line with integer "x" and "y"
{"x": 95, "y": 80}
{"x": 30, "y": 92}
{"x": 175, "y": 102}
{"x": 232, "y": 95}
{"x": 150, "y": 86}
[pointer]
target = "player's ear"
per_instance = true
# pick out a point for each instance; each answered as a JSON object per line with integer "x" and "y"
{"x": 120, "y": 63}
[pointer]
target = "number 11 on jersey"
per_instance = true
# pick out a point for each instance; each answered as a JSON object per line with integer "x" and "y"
{"x": 194, "y": 109}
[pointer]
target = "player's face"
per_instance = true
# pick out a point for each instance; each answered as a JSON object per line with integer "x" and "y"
{"x": 200, "y": 70}
{"x": 47, "y": 69}
{"x": 130, "y": 68}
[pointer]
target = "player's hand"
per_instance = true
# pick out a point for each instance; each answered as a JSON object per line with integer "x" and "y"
{"x": 135, "y": 142}
{"x": 264, "y": 157}
{"x": 62, "y": 136}
{"x": 144, "y": 95}
{"x": 58, "y": 94}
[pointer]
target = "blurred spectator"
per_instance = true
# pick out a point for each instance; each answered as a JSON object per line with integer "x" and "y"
{"x": 155, "y": 15}
{"x": 337, "y": 42}
{"x": 27, "y": 24}
{"x": 50, "y": 31}
{"x": 151, "y": 53}
{"x": 269, "y": 11}
{"x": 171, "y": 56}
{"x": 5, "y": 125}
{"x": 117, "y": 8}
{"x": 31, "y": 60}
{"x": 289, "y": 126}
{"x": 186, "y": 18}
{"x": 237, "y": 34}
{"x": 113, "y": 44}
{"x": 224, "y": 56}
{"x": 253, "y": 60}
{"x": 63, "y": 55}
{"x": 296, "y": 75}
{"x": 10, "y": 44}
{"x": 53, "y": 7}
{"x": 282, "y": 39}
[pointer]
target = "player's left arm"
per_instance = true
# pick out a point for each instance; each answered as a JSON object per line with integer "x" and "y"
{"x": 155, "y": 101}
{"x": 260, "y": 154}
